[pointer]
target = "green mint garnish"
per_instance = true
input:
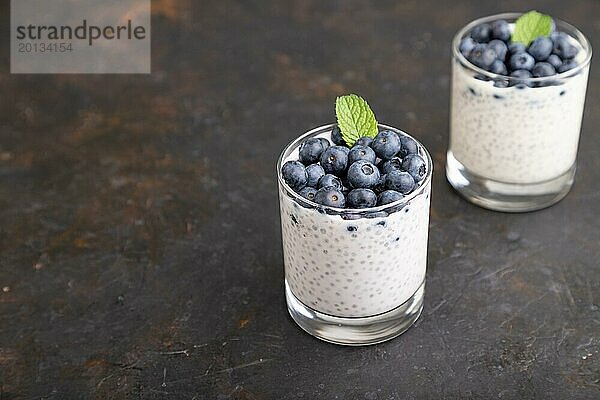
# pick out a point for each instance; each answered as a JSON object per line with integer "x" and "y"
{"x": 531, "y": 25}
{"x": 355, "y": 118}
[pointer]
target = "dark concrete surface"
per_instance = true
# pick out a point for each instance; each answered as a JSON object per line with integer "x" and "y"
{"x": 140, "y": 252}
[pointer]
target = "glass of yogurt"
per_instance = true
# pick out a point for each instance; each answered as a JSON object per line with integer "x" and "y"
{"x": 354, "y": 276}
{"x": 513, "y": 139}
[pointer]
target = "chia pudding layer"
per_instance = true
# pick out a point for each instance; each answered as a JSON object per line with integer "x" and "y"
{"x": 355, "y": 263}
{"x": 517, "y": 134}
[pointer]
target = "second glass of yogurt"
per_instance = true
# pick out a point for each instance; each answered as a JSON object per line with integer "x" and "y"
{"x": 513, "y": 140}
{"x": 354, "y": 276}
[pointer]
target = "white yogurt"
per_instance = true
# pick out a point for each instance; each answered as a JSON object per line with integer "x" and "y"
{"x": 515, "y": 135}
{"x": 355, "y": 268}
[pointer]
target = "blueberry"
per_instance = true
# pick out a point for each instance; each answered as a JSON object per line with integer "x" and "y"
{"x": 521, "y": 76}
{"x": 380, "y": 185}
{"x": 498, "y": 67}
{"x": 334, "y": 160}
{"x": 554, "y": 35}
{"x": 336, "y": 136}
{"x": 522, "y": 60}
{"x": 482, "y": 56}
{"x": 409, "y": 146}
{"x": 386, "y": 144}
{"x": 466, "y": 45}
{"x": 481, "y": 33}
{"x": 308, "y": 193}
{"x": 330, "y": 180}
{"x": 364, "y": 141}
{"x": 516, "y": 47}
{"x": 314, "y": 173}
{"x": 499, "y": 48}
{"x": 344, "y": 179}
{"x": 361, "y": 198}
{"x": 331, "y": 197}
{"x": 363, "y": 174}
{"x": 415, "y": 166}
{"x": 563, "y": 48}
{"x": 393, "y": 164}
{"x": 500, "y": 30}
{"x": 500, "y": 83}
{"x": 540, "y": 48}
{"x": 567, "y": 65}
{"x": 400, "y": 181}
{"x": 325, "y": 143}
{"x": 542, "y": 69}
{"x": 310, "y": 151}
{"x": 359, "y": 152}
{"x": 554, "y": 60}
{"x": 294, "y": 174}
{"x": 388, "y": 196}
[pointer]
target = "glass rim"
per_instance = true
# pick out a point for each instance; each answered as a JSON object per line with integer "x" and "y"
{"x": 419, "y": 190}
{"x": 580, "y": 37}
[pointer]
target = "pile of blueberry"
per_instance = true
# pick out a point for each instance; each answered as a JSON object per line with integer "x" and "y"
{"x": 373, "y": 172}
{"x": 489, "y": 47}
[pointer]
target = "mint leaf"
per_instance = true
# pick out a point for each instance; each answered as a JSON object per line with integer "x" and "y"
{"x": 355, "y": 118}
{"x": 531, "y": 25}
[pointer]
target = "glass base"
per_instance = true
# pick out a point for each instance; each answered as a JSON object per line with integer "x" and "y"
{"x": 507, "y": 197}
{"x": 357, "y": 331}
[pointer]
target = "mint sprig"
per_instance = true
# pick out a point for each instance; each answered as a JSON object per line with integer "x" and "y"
{"x": 355, "y": 118}
{"x": 531, "y": 25}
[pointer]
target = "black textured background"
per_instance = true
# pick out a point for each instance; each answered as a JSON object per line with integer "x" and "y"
{"x": 140, "y": 252}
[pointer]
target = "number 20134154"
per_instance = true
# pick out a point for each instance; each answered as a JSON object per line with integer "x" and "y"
{"x": 29, "y": 47}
